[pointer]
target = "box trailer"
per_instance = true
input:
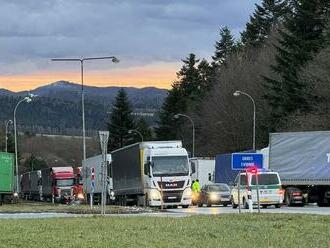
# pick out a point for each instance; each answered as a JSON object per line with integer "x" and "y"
{"x": 6, "y": 175}
{"x": 203, "y": 170}
{"x": 302, "y": 160}
{"x": 95, "y": 164}
{"x": 152, "y": 173}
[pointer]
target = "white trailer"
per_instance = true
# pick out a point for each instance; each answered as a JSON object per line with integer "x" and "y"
{"x": 95, "y": 163}
{"x": 204, "y": 170}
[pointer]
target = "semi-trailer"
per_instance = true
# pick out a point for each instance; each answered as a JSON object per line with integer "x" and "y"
{"x": 155, "y": 173}
{"x": 31, "y": 188}
{"x": 302, "y": 160}
{"x": 93, "y": 183}
{"x": 57, "y": 183}
{"x": 6, "y": 176}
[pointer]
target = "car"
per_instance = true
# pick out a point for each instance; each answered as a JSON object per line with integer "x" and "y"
{"x": 215, "y": 194}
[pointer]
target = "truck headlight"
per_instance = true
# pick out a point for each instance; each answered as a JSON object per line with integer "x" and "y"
{"x": 112, "y": 194}
{"x": 187, "y": 194}
{"x": 155, "y": 195}
{"x": 80, "y": 196}
{"x": 15, "y": 194}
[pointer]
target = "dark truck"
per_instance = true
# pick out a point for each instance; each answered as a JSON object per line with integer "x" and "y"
{"x": 6, "y": 176}
{"x": 302, "y": 160}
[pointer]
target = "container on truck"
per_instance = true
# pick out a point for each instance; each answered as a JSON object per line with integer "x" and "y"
{"x": 303, "y": 161}
{"x": 7, "y": 176}
{"x": 95, "y": 164}
{"x": 204, "y": 170}
{"x": 35, "y": 185}
{"x": 57, "y": 183}
{"x": 152, "y": 173}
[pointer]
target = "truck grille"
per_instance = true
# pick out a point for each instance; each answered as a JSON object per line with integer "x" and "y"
{"x": 65, "y": 191}
{"x": 171, "y": 185}
{"x": 172, "y": 196}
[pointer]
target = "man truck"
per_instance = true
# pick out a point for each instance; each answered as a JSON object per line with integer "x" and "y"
{"x": 6, "y": 176}
{"x": 302, "y": 160}
{"x": 155, "y": 173}
{"x": 57, "y": 184}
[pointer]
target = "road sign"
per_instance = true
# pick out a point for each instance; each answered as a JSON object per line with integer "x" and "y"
{"x": 241, "y": 161}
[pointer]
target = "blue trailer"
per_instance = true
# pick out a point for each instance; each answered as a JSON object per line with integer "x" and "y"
{"x": 223, "y": 170}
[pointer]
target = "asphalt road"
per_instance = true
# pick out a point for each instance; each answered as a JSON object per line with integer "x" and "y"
{"x": 310, "y": 209}
{"x": 179, "y": 212}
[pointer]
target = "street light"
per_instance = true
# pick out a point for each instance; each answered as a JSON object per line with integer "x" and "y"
{"x": 238, "y": 93}
{"x": 25, "y": 99}
{"x": 7, "y": 123}
{"x": 193, "y": 131}
{"x": 136, "y": 131}
{"x": 81, "y": 60}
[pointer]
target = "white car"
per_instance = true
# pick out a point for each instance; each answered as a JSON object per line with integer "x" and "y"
{"x": 270, "y": 192}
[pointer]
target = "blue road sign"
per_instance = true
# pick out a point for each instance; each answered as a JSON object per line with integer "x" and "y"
{"x": 240, "y": 161}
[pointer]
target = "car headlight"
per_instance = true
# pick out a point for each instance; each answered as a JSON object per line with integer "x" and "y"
{"x": 155, "y": 194}
{"x": 213, "y": 196}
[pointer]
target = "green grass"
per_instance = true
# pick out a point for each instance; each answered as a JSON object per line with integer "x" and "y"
{"x": 246, "y": 230}
{"x": 36, "y": 207}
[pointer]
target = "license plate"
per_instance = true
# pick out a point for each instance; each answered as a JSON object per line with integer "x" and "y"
{"x": 265, "y": 200}
{"x": 171, "y": 197}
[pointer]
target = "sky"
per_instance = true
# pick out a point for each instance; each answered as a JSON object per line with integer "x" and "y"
{"x": 149, "y": 37}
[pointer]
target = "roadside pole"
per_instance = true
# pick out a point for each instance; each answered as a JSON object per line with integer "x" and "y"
{"x": 249, "y": 193}
{"x": 257, "y": 184}
{"x": 92, "y": 187}
{"x": 104, "y": 137}
{"x": 239, "y": 190}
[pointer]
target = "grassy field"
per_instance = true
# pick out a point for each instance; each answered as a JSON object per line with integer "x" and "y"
{"x": 37, "y": 207}
{"x": 265, "y": 230}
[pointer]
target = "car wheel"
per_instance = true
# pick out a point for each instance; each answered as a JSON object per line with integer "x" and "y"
{"x": 264, "y": 206}
{"x": 225, "y": 204}
{"x": 185, "y": 206}
{"x": 245, "y": 204}
{"x": 277, "y": 205}
{"x": 287, "y": 199}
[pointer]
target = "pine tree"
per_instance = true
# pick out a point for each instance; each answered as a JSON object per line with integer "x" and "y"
{"x": 121, "y": 121}
{"x": 302, "y": 37}
{"x": 206, "y": 77}
{"x": 224, "y": 47}
{"x": 266, "y": 15}
{"x": 143, "y": 127}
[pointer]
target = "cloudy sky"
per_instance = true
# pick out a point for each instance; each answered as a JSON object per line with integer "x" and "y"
{"x": 150, "y": 37}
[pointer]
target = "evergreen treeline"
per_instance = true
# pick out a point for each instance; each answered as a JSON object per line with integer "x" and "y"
{"x": 281, "y": 60}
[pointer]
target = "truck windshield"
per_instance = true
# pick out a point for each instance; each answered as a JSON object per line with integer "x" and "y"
{"x": 64, "y": 182}
{"x": 265, "y": 179}
{"x": 170, "y": 166}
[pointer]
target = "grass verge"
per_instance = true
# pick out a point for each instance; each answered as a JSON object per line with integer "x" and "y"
{"x": 246, "y": 230}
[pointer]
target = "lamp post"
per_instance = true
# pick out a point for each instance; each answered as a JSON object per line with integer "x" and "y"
{"x": 7, "y": 123}
{"x": 136, "y": 131}
{"x": 25, "y": 99}
{"x": 193, "y": 131}
{"x": 81, "y": 60}
{"x": 238, "y": 93}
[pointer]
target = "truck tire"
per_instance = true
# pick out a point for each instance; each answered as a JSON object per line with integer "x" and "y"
{"x": 287, "y": 199}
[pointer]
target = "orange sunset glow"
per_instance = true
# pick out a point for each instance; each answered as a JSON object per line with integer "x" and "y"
{"x": 158, "y": 75}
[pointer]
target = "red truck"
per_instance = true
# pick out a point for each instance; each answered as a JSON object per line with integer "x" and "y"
{"x": 57, "y": 184}
{"x": 78, "y": 188}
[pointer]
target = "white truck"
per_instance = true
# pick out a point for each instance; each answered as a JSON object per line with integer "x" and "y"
{"x": 95, "y": 163}
{"x": 152, "y": 173}
{"x": 204, "y": 170}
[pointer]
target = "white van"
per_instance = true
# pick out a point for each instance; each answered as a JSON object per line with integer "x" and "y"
{"x": 270, "y": 192}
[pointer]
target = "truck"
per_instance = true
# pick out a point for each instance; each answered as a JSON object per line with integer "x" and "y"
{"x": 204, "y": 170}
{"x": 94, "y": 164}
{"x": 57, "y": 184}
{"x": 6, "y": 176}
{"x": 31, "y": 188}
{"x": 302, "y": 160}
{"x": 223, "y": 169}
{"x": 155, "y": 173}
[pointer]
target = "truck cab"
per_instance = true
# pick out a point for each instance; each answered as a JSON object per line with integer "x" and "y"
{"x": 270, "y": 192}
{"x": 167, "y": 176}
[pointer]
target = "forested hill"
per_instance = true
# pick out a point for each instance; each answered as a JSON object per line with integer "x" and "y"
{"x": 57, "y": 108}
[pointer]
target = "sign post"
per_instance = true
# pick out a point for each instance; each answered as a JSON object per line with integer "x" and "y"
{"x": 104, "y": 137}
{"x": 246, "y": 161}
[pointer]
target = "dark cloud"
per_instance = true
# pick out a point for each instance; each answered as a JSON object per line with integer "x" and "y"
{"x": 140, "y": 31}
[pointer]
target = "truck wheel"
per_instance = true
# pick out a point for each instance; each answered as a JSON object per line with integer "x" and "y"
{"x": 287, "y": 199}
{"x": 234, "y": 205}
{"x": 277, "y": 205}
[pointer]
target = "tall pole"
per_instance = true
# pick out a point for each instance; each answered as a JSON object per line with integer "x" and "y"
{"x": 193, "y": 131}
{"x": 81, "y": 60}
{"x": 7, "y": 123}
{"x": 237, "y": 93}
{"x": 83, "y": 108}
{"x": 27, "y": 99}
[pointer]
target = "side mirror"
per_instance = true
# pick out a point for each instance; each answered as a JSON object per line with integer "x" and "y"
{"x": 210, "y": 177}
{"x": 147, "y": 169}
{"x": 193, "y": 168}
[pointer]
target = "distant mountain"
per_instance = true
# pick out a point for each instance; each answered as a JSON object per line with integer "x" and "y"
{"x": 57, "y": 108}
{"x": 148, "y": 97}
